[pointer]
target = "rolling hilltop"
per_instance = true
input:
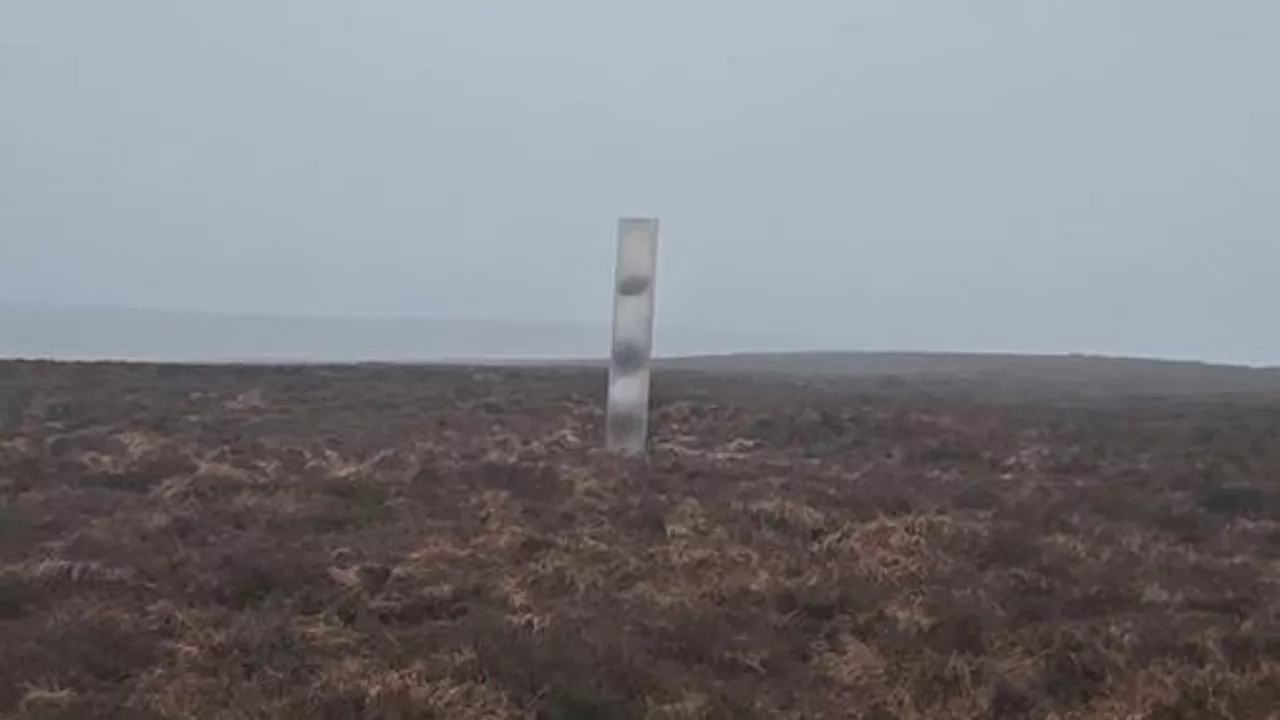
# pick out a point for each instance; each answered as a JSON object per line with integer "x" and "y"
{"x": 1083, "y": 372}
{"x": 83, "y": 334}
{"x": 165, "y": 336}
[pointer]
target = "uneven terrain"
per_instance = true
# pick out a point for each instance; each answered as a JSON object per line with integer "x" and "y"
{"x": 400, "y": 542}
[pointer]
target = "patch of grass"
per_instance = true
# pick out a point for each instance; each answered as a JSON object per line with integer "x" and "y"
{"x": 423, "y": 542}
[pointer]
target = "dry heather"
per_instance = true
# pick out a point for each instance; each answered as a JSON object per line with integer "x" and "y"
{"x": 187, "y": 542}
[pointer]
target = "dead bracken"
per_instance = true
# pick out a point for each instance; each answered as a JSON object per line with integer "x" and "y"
{"x": 365, "y": 542}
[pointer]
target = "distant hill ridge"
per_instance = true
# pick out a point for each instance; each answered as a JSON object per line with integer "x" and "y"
{"x": 87, "y": 334}
{"x": 880, "y": 362}
{"x": 1123, "y": 375}
{"x": 158, "y": 335}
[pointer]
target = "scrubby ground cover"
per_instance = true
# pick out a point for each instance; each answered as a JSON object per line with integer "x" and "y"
{"x": 254, "y": 542}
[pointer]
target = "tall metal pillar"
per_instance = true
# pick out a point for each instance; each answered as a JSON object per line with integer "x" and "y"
{"x": 628, "y": 412}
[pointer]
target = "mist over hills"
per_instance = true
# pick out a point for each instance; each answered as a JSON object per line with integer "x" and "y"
{"x": 1089, "y": 374}
{"x": 163, "y": 336}
{"x": 166, "y": 336}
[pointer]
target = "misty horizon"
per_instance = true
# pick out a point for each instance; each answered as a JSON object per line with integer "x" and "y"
{"x": 81, "y": 333}
{"x": 158, "y": 335}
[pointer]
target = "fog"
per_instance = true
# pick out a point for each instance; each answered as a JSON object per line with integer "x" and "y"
{"x": 1048, "y": 176}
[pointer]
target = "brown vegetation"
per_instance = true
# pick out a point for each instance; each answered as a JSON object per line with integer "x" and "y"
{"x": 241, "y": 542}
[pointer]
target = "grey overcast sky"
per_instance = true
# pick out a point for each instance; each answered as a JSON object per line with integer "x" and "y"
{"x": 1048, "y": 175}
